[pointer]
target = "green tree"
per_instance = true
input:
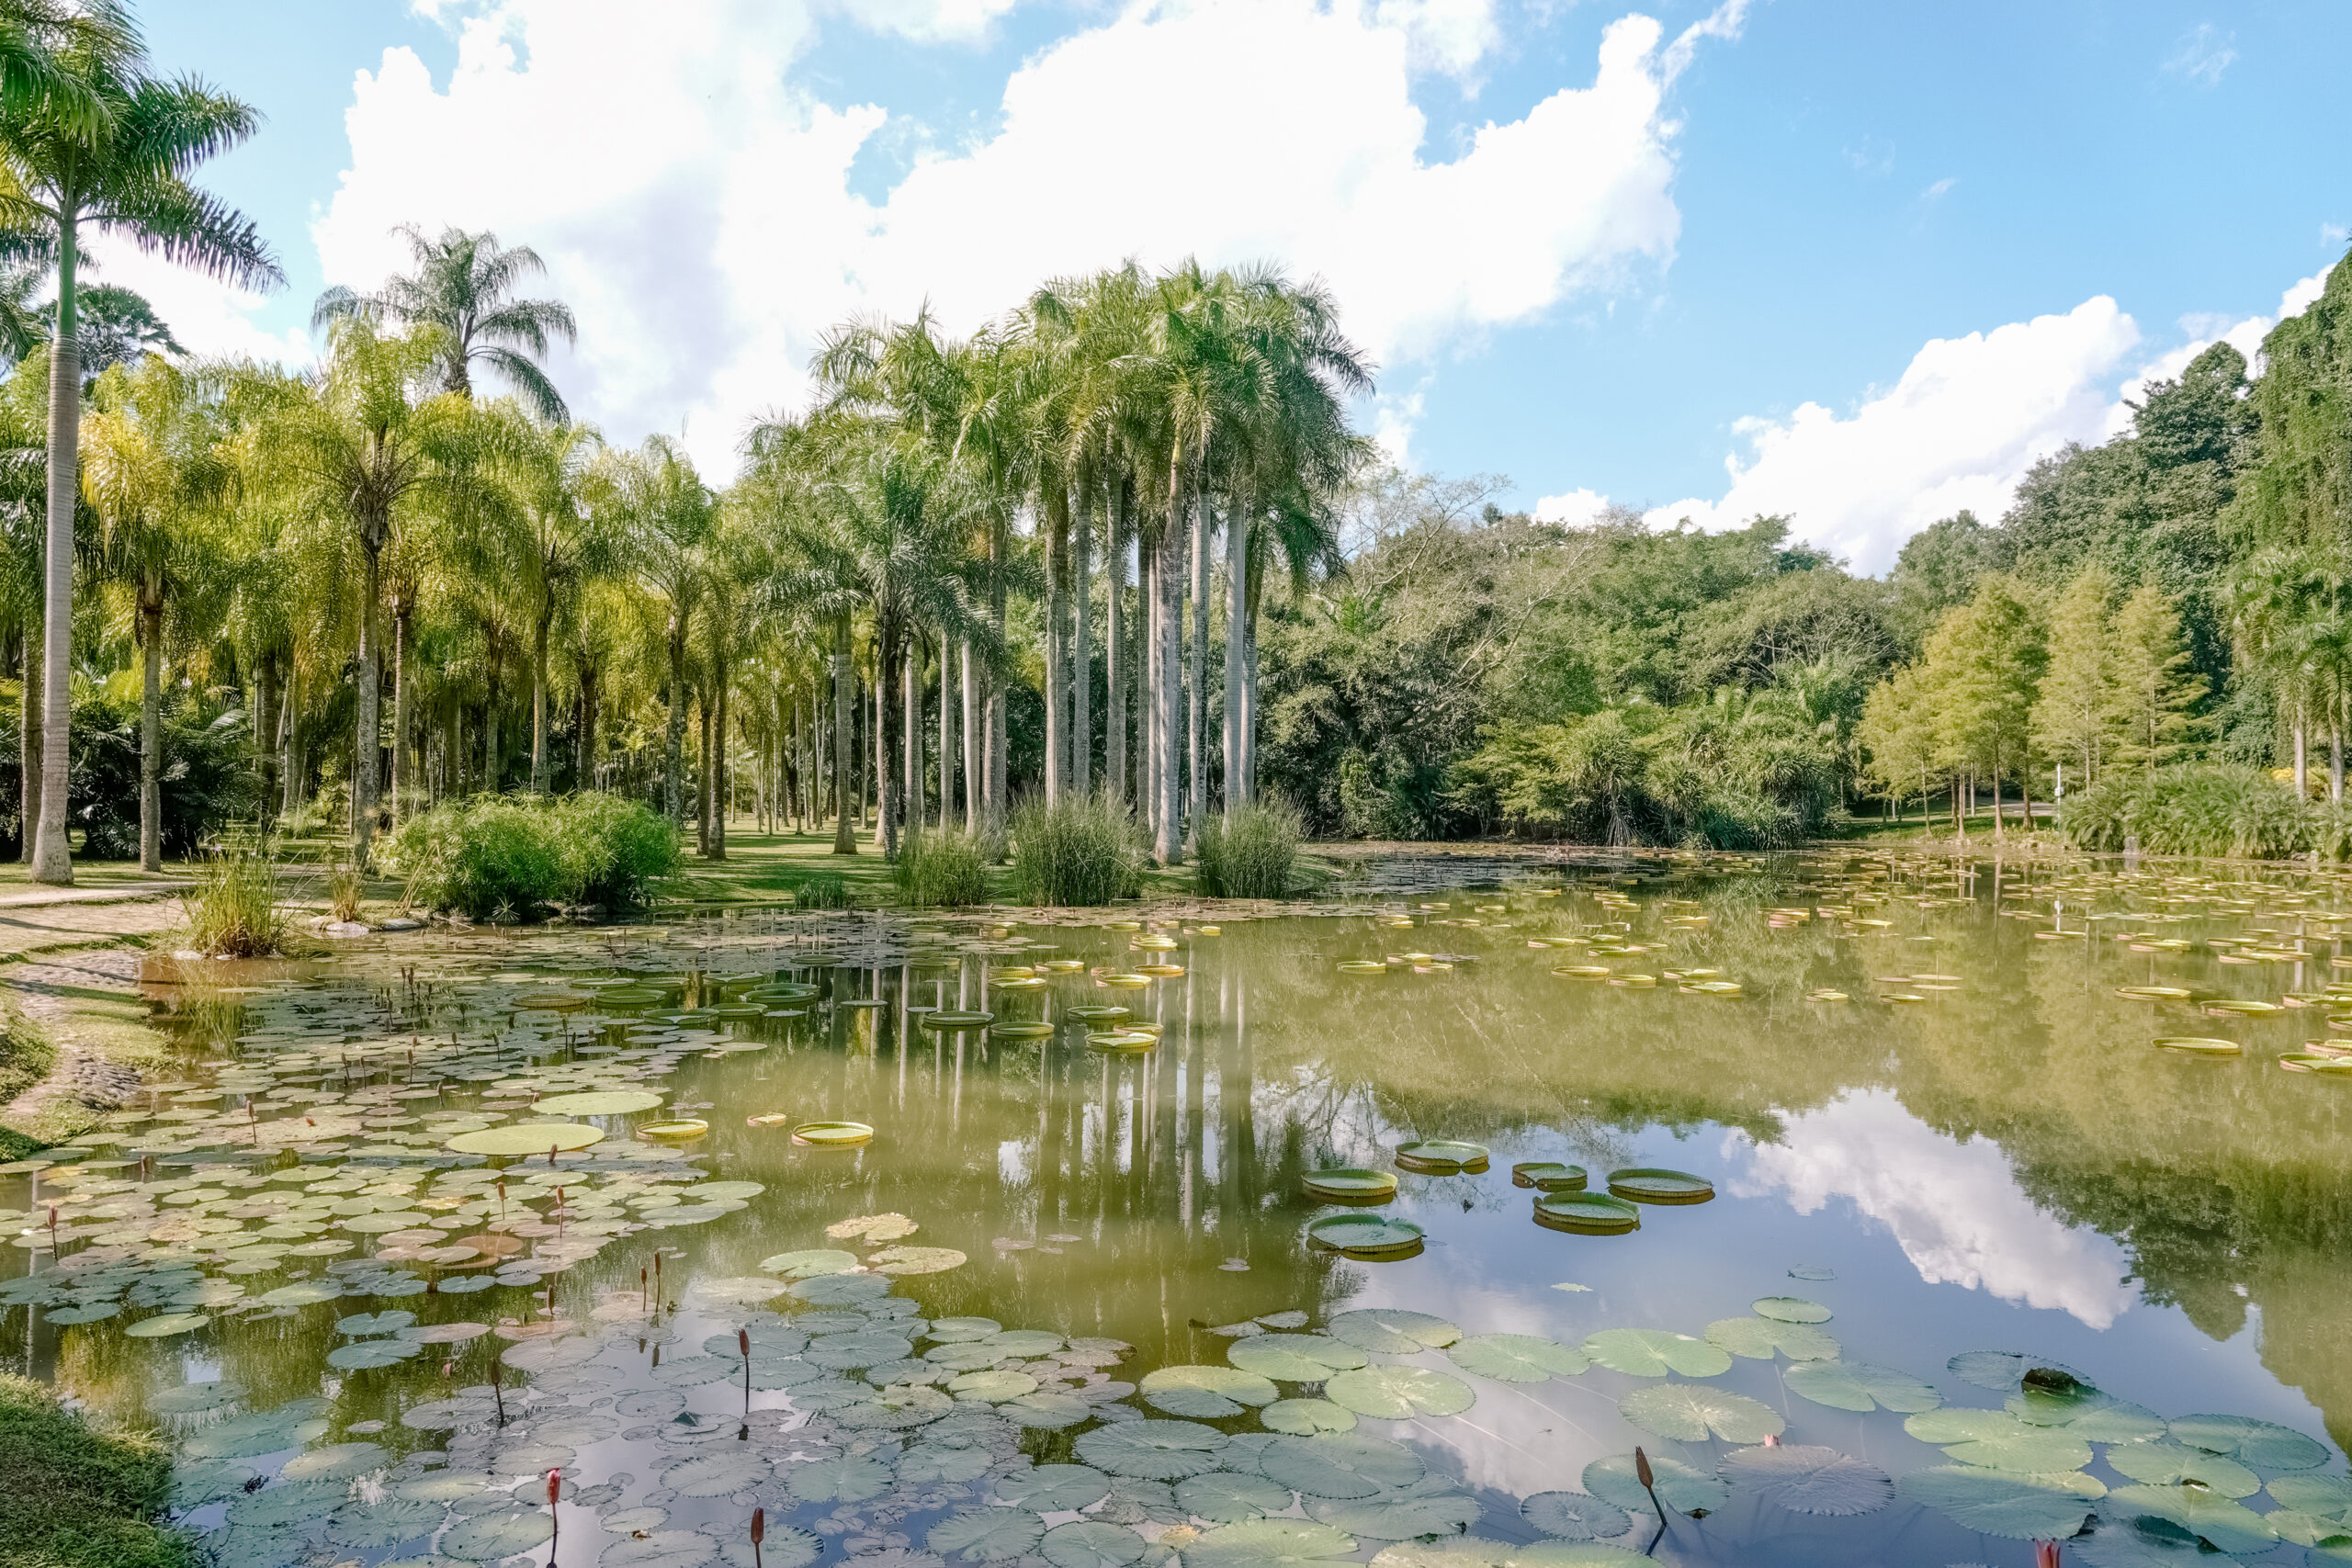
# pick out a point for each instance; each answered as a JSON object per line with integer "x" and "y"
{"x": 1898, "y": 734}
{"x": 2072, "y": 719}
{"x": 107, "y": 147}
{"x": 1939, "y": 568}
{"x": 2150, "y": 711}
{"x": 661, "y": 515}
{"x": 465, "y": 284}
{"x": 1985, "y": 663}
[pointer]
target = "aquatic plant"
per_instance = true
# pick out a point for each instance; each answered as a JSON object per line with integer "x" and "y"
{"x": 823, "y": 890}
{"x": 1247, "y": 852}
{"x": 1083, "y": 850}
{"x": 495, "y": 853}
{"x": 232, "y": 911}
{"x": 941, "y": 869}
{"x": 2201, "y": 809}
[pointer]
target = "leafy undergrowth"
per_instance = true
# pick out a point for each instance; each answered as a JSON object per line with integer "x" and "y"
{"x": 76, "y": 1495}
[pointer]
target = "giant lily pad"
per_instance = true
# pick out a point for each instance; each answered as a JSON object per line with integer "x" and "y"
{"x": 1293, "y": 1357}
{"x": 1441, "y": 1157}
{"x": 1153, "y": 1451}
{"x": 1349, "y": 1184}
{"x": 1090, "y": 1543}
{"x": 1396, "y": 1393}
{"x": 1688, "y": 1412}
{"x": 1222, "y": 1497}
{"x": 1654, "y": 1352}
{"x": 1857, "y": 1385}
{"x": 1205, "y": 1393}
{"x": 1806, "y": 1479}
{"x": 986, "y": 1535}
{"x": 1653, "y": 1184}
{"x": 2017, "y": 1505}
{"x": 1516, "y": 1357}
{"x": 1369, "y": 1238}
{"x": 1053, "y": 1488}
{"x": 1587, "y": 1213}
{"x": 1268, "y": 1543}
{"x": 529, "y": 1138}
{"x": 1393, "y": 1332}
{"x": 598, "y": 1103}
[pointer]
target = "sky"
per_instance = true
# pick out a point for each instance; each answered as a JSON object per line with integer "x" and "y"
{"x": 1854, "y": 263}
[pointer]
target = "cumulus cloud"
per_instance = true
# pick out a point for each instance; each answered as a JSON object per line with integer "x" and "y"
{"x": 691, "y": 190}
{"x": 1954, "y": 1208}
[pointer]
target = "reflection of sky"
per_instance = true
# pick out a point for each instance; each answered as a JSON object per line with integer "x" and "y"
{"x": 1954, "y": 1208}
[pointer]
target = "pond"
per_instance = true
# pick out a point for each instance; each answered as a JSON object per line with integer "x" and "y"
{"x": 1985, "y": 1205}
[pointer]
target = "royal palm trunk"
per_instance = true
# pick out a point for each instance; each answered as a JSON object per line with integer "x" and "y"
{"x": 674, "y": 734}
{"x": 28, "y": 748}
{"x": 151, "y": 728}
{"x": 1082, "y": 655}
{"x": 845, "y": 843}
{"x": 1169, "y": 831}
{"x": 1196, "y": 794}
{"x": 52, "y": 862}
{"x": 1115, "y": 651}
{"x": 367, "y": 739}
{"x": 1237, "y": 714}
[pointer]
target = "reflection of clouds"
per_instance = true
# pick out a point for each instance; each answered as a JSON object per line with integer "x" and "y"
{"x": 1955, "y": 1208}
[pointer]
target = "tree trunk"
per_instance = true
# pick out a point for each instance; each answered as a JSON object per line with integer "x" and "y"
{"x": 887, "y": 660}
{"x": 844, "y": 844}
{"x": 947, "y": 701}
{"x": 721, "y": 783}
{"x": 1996, "y": 805}
{"x": 878, "y": 720}
{"x": 2335, "y": 760}
{"x": 266, "y": 725}
{"x": 1196, "y": 792}
{"x": 2303, "y": 772}
{"x": 974, "y": 742}
{"x": 1114, "y": 650}
{"x": 291, "y": 771}
{"x": 673, "y": 733}
{"x": 586, "y": 745}
{"x": 28, "y": 748}
{"x": 912, "y": 667}
{"x": 403, "y": 765}
{"x": 51, "y": 861}
{"x": 1082, "y": 652}
{"x": 492, "y": 761}
{"x": 1250, "y": 705}
{"x": 539, "y": 703}
{"x": 1148, "y": 611}
{"x": 999, "y": 548}
{"x": 1168, "y": 843}
{"x": 367, "y": 737}
{"x": 1237, "y": 711}
{"x": 150, "y": 733}
{"x": 1056, "y": 723}
{"x": 701, "y": 776}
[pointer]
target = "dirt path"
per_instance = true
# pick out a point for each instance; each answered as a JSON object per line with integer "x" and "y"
{"x": 77, "y": 1034}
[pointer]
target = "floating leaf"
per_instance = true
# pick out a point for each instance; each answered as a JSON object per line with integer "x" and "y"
{"x": 1587, "y": 1213}
{"x": 1654, "y": 1352}
{"x": 1222, "y": 1497}
{"x": 1393, "y": 1332}
{"x": 1090, "y": 1543}
{"x": 1858, "y": 1385}
{"x": 1688, "y": 1412}
{"x": 1467, "y": 1552}
{"x": 873, "y": 1227}
{"x": 1304, "y": 1417}
{"x": 1680, "y": 1487}
{"x": 1575, "y": 1516}
{"x": 369, "y": 1354}
{"x": 1396, "y": 1517}
{"x": 1516, "y": 1357}
{"x": 717, "y": 1474}
{"x": 2104, "y": 1420}
{"x": 830, "y": 1135}
{"x": 1293, "y": 1357}
{"x": 1806, "y": 1479}
{"x": 1205, "y": 1393}
{"x": 370, "y": 1526}
{"x": 1268, "y": 1544}
{"x": 1155, "y": 1450}
{"x": 660, "y": 1548}
{"x": 1047, "y": 1410}
{"x": 1789, "y": 1309}
{"x": 292, "y": 1503}
{"x": 2262, "y": 1444}
{"x": 1340, "y": 1466}
{"x": 1654, "y": 1184}
{"x": 853, "y": 1478}
{"x": 1394, "y": 1393}
{"x": 600, "y": 1102}
{"x": 1441, "y": 1157}
{"x": 2171, "y": 1464}
{"x": 2014, "y": 1503}
{"x": 2144, "y": 1541}
{"x": 2329, "y": 1496}
{"x": 986, "y": 1535}
{"x": 2227, "y": 1526}
{"x": 2000, "y": 1370}
{"x": 375, "y": 1323}
{"x": 1053, "y": 1488}
{"x": 490, "y": 1538}
{"x": 1348, "y": 1184}
{"x": 915, "y": 1261}
{"x": 1759, "y": 1338}
{"x": 523, "y": 1140}
{"x": 166, "y": 1325}
{"x": 1368, "y": 1236}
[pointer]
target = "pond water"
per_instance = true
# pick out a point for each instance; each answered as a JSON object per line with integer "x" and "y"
{"x": 1984, "y": 1260}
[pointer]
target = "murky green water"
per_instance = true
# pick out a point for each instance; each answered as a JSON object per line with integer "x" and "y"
{"x": 1977, "y": 1149}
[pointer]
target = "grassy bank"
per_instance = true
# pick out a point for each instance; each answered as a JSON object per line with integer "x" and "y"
{"x": 78, "y": 1495}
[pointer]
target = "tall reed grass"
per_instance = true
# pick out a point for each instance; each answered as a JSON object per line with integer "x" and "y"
{"x": 941, "y": 870}
{"x": 823, "y": 890}
{"x": 232, "y": 911}
{"x": 1248, "y": 851}
{"x": 1080, "y": 852}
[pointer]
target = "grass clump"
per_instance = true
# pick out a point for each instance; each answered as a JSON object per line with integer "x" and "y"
{"x": 232, "y": 911}
{"x": 1081, "y": 851}
{"x": 346, "y": 884}
{"x": 1247, "y": 852}
{"x": 493, "y": 857}
{"x": 78, "y": 1495}
{"x": 2199, "y": 809}
{"x": 943, "y": 870}
{"x": 822, "y": 890}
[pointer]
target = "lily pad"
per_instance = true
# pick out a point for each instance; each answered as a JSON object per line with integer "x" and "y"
{"x": 833, "y": 1135}
{"x": 873, "y": 1227}
{"x": 1344, "y": 1465}
{"x": 1205, "y": 1393}
{"x": 369, "y": 1526}
{"x": 1399, "y": 1517}
{"x": 2225, "y": 1525}
{"x": 1090, "y": 1543}
{"x": 986, "y": 1535}
{"x": 2262, "y": 1444}
{"x": 491, "y": 1538}
{"x": 598, "y": 1103}
{"x": 1222, "y": 1497}
{"x": 1575, "y": 1516}
{"x": 1442, "y": 1156}
{"x": 1349, "y": 1184}
{"x": 810, "y": 1262}
{"x": 1396, "y": 1393}
{"x": 2143, "y": 1540}
{"x": 1304, "y": 1417}
{"x": 1807, "y": 1479}
{"x": 2000, "y": 1371}
{"x": 166, "y": 1325}
{"x": 1516, "y": 1357}
{"x": 1789, "y": 1309}
{"x": 660, "y": 1548}
{"x": 851, "y": 1478}
{"x": 1680, "y": 1486}
{"x": 2017, "y": 1504}
{"x": 1858, "y": 1385}
{"x": 1053, "y": 1488}
{"x": 1393, "y": 1332}
{"x": 1760, "y": 1338}
{"x": 1153, "y": 1451}
{"x": 2172, "y": 1464}
{"x": 1549, "y": 1175}
{"x": 2329, "y": 1496}
{"x": 915, "y": 1261}
{"x": 366, "y": 1355}
{"x": 1467, "y": 1552}
{"x": 1293, "y": 1357}
{"x": 529, "y": 1138}
{"x": 1655, "y": 1184}
{"x": 1688, "y": 1413}
{"x": 1268, "y": 1543}
{"x": 1654, "y": 1352}
{"x": 717, "y": 1473}
{"x": 1048, "y": 1409}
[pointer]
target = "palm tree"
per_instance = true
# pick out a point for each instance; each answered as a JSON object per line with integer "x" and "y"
{"x": 157, "y": 477}
{"x": 662, "y": 514}
{"x": 99, "y": 144}
{"x": 465, "y": 285}
{"x": 363, "y": 447}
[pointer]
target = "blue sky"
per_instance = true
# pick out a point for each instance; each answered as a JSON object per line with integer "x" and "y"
{"x": 1744, "y": 249}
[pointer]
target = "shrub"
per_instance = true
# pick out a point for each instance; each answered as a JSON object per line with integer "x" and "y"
{"x": 822, "y": 890}
{"x": 499, "y": 857}
{"x": 232, "y": 909}
{"x": 2199, "y": 809}
{"x": 1247, "y": 852}
{"x": 1083, "y": 850}
{"x": 208, "y": 778}
{"x": 943, "y": 870}
{"x": 345, "y": 884}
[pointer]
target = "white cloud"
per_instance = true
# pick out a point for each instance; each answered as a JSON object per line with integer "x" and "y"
{"x": 208, "y": 317}
{"x": 2203, "y": 54}
{"x": 1938, "y": 190}
{"x": 1954, "y": 1208}
{"x": 1961, "y": 427}
{"x": 691, "y": 193}
{"x": 2243, "y": 334}
{"x": 1575, "y": 508}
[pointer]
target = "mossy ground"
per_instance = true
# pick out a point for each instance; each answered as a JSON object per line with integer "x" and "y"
{"x": 76, "y": 1495}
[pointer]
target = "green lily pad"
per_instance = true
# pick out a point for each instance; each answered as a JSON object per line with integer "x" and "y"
{"x": 1047, "y": 1410}
{"x": 1807, "y": 1479}
{"x": 1090, "y": 1543}
{"x": 1467, "y": 1552}
{"x": 935, "y": 1464}
{"x": 1400, "y": 1517}
{"x": 1998, "y": 1440}
{"x": 1396, "y": 1393}
{"x": 661, "y": 1548}
{"x": 811, "y": 1263}
{"x": 2262, "y": 1444}
{"x": 1575, "y": 1516}
{"x": 368, "y": 1354}
{"x": 1516, "y": 1357}
{"x": 1304, "y": 1417}
{"x": 915, "y": 1261}
{"x": 599, "y": 1102}
{"x": 839, "y": 1290}
{"x": 375, "y": 1323}
{"x": 1222, "y": 1497}
{"x": 851, "y": 1478}
{"x": 529, "y": 1138}
{"x": 2143, "y": 1540}
{"x": 2329, "y": 1496}
{"x": 1760, "y": 1338}
{"x": 949, "y": 1330}
{"x": 1654, "y": 1352}
{"x": 1680, "y": 1486}
{"x": 1442, "y": 1156}
{"x": 1654, "y": 1184}
{"x": 98, "y": 1312}
{"x": 1348, "y": 1184}
{"x": 370, "y": 1526}
{"x": 1857, "y": 1385}
{"x": 1268, "y": 1543}
{"x": 1153, "y": 1451}
{"x": 1393, "y": 1332}
{"x": 986, "y": 1535}
{"x": 1688, "y": 1412}
{"x": 1055, "y": 1488}
{"x": 491, "y": 1538}
{"x": 1339, "y": 1466}
{"x": 1549, "y": 1175}
{"x": 1365, "y": 1236}
{"x": 2225, "y": 1525}
{"x": 2104, "y": 1420}
{"x": 166, "y": 1325}
{"x": 1205, "y": 1393}
{"x": 292, "y": 1503}
{"x": 2171, "y": 1464}
{"x": 2000, "y": 1371}
{"x": 993, "y": 1382}
{"x": 2017, "y": 1504}
{"x": 717, "y": 1473}
{"x": 195, "y": 1398}
{"x": 1789, "y": 1309}
{"x": 1587, "y": 1213}
{"x": 1293, "y": 1357}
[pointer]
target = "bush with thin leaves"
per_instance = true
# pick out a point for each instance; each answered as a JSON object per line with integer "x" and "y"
{"x": 1083, "y": 850}
{"x": 232, "y": 911}
{"x": 2199, "y": 809}
{"x": 824, "y": 890}
{"x": 496, "y": 856}
{"x": 940, "y": 870}
{"x": 1248, "y": 851}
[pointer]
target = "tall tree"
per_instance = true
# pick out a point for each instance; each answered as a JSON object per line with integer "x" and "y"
{"x": 1984, "y": 664}
{"x": 2071, "y": 717}
{"x": 108, "y": 149}
{"x": 465, "y": 284}
{"x": 2150, "y": 709}
{"x": 662, "y": 514}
